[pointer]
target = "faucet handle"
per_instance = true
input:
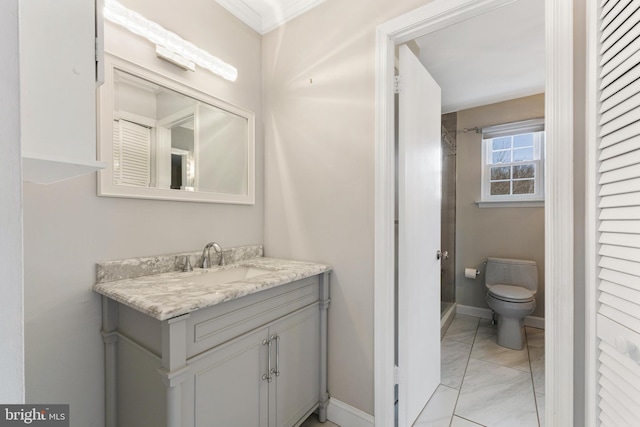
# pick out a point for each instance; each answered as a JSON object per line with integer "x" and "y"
{"x": 187, "y": 264}
{"x": 205, "y": 262}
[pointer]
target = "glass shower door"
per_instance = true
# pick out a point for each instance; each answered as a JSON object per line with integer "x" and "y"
{"x": 448, "y": 214}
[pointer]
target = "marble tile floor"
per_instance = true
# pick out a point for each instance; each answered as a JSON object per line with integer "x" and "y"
{"x": 483, "y": 384}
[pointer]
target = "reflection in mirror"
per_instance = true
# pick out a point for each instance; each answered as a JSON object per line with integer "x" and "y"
{"x": 164, "y": 139}
{"x": 170, "y": 144}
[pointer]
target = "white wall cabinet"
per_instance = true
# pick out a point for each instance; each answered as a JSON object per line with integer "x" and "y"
{"x": 257, "y": 361}
{"x": 58, "y": 89}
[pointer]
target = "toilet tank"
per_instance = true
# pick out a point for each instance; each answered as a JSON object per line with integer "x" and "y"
{"x": 506, "y": 271}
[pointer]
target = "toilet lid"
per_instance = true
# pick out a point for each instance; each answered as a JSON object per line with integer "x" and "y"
{"x": 511, "y": 293}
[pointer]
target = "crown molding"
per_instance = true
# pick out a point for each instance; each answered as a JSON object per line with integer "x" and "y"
{"x": 243, "y": 13}
{"x": 269, "y": 16}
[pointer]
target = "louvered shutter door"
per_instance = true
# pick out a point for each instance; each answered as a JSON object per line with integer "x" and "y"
{"x": 116, "y": 152}
{"x": 618, "y": 318}
{"x": 132, "y": 146}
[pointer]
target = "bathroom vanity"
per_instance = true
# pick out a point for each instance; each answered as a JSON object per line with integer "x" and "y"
{"x": 238, "y": 345}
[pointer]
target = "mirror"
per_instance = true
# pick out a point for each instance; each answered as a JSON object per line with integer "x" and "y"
{"x": 165, "y": 140}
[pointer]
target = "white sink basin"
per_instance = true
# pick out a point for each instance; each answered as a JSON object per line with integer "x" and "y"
{"x": 228, "y": 275}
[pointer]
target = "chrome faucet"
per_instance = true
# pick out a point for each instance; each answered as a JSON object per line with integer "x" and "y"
{"x": 206, "y": 254}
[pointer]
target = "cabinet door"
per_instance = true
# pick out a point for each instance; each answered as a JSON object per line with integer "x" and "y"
{"x": 57, "y": 89}
{"x": 296, "y": 386}
{"x": 228, "y": 386}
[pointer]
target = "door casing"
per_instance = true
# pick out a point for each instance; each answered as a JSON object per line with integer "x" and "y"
{"x": 559, "y": 214}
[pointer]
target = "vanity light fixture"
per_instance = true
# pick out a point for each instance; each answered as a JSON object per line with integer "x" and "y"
{"x": 169, "y": 46}
{"x": 174, "y": 58}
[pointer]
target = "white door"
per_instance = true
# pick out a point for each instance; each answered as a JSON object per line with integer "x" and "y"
{"x": 618, "y": 180}
{"x": 419, "y": 191}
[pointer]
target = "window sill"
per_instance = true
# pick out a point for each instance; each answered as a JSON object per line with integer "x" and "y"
{"x": 510, "y": 204}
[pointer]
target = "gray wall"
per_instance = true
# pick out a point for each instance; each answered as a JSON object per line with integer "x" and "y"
{"x": 11, "y": 285}
{"x": 319, "y": 156}
{"x": 182, "y": 138}
{"x": 68, "y": 228}
{"x": 222, "y": 136}
{"x": 498, "y": 232}
{"x": 136, "y": 100}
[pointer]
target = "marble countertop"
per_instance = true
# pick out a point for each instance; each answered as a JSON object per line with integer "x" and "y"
{"x": 172, "y": 294}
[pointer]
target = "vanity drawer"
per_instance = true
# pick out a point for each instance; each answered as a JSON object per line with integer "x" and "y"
{"x": 215, "y": 325}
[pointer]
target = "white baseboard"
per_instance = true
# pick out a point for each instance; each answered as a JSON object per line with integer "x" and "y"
{"x": 467, "y": 310}
{"x": 347, "y": 416}
{"x": 446, "y": 319}
{"x": 534, "y": 322}
{"x": 485, "y": 313}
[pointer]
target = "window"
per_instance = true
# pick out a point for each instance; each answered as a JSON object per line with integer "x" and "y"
{"x": 513, "y": 162}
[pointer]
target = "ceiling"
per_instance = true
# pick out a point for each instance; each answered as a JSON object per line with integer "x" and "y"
{"x": 486, "y": 59}
{"x": 265, "y": 15}
{"x": 493, "y": 57}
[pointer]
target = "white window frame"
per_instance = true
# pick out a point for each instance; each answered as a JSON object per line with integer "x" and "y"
{"x": 513, "y": 200}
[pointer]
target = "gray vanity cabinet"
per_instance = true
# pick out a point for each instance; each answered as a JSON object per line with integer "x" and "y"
{"x": 295, "y": 385}
{"x": 259, "y": 360}
{"x": 235, "y": 385}
{"x": 227, "y": 384}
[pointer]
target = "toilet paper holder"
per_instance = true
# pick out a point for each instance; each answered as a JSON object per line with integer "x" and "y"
{"x": 471, "y": 273}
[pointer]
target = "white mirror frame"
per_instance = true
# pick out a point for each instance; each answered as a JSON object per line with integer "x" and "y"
{"x": 106, "y": 185}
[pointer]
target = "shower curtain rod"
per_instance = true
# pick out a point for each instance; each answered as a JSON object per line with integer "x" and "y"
{"x": 523, "y": 123}
{"x": 473, "y": 129}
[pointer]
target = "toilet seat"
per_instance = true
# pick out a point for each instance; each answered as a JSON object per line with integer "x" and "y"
{"x": 510, "y": 293}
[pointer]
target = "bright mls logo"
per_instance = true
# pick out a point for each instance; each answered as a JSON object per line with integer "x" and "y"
{"x": 35, "y": 415}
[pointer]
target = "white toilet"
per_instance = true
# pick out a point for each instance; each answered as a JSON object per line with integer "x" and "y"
{"x": 512, "y": 285}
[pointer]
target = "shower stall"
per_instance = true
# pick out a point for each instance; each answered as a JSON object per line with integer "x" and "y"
{"x": 448, "y": 214}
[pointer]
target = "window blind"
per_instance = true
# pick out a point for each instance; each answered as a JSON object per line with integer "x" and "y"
{"x": 525, "y": 126}
{"x": 132, "y": 145}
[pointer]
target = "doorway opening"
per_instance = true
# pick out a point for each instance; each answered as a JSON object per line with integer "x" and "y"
{"x": 559, "y": 216}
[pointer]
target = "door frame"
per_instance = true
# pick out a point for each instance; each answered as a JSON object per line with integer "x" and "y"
{"x": 559, "y": 251}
